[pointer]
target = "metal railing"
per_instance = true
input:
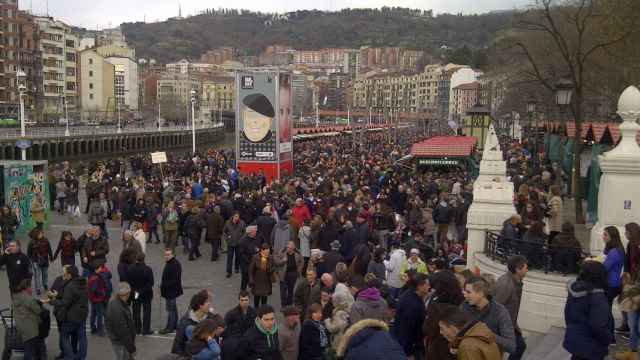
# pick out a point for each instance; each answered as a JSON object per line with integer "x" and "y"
{"x": 44, "y": 132}
{"x": 540, "y": 256}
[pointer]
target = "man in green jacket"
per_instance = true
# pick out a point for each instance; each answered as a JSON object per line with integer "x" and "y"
{"x": 27, "y": 315}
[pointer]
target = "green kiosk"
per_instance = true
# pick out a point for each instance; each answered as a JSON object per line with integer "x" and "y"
{"x": 23, "y": 182}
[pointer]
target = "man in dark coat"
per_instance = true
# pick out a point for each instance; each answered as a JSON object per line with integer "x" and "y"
{"x": 72, "y": 308}
{"x": 248, "y": 247}
{"x": 215, "y": 224}
{"x": 362, "y": 230}
{"x": 265, "y": 223}
{"x": 119, "y": 323}
{"x": 18, "y": 265}
{"x": 171, "y": 289}
{"x": 410, "y": 315}
{"x": 194, "y": 227}
{"x": 262, "y": 339}
{"x": 93, "y": 249}
{"x": 238, "y": 321}
{"x": 140, "y": 278}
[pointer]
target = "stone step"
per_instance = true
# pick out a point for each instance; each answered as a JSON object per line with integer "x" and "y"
{"x": 548, "y": 348}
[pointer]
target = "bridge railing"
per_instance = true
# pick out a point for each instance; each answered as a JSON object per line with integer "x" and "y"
{"x": 35, "y": 132}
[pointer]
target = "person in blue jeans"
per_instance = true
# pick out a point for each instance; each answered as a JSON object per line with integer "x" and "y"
{"x": 171, "y": 289}
{"x": 232, "y": 232}
{"x": 72, "y": 308}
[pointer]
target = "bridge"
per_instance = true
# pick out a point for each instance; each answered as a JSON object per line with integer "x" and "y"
{"x": 95, "y": 142}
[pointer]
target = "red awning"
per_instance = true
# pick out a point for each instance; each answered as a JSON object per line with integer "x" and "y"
{"x": 444, "y": 146}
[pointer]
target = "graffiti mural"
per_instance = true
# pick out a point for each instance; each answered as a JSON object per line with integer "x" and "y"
{"x": 23, "y": 185}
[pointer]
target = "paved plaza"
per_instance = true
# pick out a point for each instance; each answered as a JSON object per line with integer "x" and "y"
{"x": 196, "y": 275}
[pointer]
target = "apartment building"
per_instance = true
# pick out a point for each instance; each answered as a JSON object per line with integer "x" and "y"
{"x": 97, "y": 85}
{"x": 59, "y": 66}
{"x": 464, "y": 96}
{"x": 217, "y": 94}
{"x": 174, "y": 93}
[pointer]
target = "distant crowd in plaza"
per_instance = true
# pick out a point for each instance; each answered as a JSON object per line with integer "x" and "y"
{"x": 368, "y": 253}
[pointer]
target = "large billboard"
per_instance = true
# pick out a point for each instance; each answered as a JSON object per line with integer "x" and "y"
{"x": 263, "y": 131}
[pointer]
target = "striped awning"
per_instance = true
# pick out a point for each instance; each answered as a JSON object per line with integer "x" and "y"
{"x": 444, "y": 146}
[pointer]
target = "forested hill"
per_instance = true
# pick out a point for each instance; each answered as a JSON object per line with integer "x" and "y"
{"x": 175, "y": 39}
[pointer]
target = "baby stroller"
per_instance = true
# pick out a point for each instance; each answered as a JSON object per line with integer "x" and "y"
{"x": 12, "y": 340}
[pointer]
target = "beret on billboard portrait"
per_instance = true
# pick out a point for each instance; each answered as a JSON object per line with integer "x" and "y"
{"x": 260, "y": 104}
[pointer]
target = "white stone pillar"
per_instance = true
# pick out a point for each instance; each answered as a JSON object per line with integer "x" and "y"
{"x": 619, "y": 194}
{"x": 492, "y": 198}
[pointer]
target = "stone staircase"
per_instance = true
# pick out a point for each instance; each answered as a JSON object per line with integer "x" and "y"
{"x": 546, "y": 346}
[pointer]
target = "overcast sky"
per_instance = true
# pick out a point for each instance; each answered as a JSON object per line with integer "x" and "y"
{"x": 109, "y": 13}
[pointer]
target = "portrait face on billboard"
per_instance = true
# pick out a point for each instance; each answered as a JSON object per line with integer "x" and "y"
{"x": 257, "y": 114}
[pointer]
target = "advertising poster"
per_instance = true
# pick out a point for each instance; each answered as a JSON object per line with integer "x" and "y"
{"x": 23, "y": 184}
{"x": 257, "y": 118}
{"x": 285, "y": 124}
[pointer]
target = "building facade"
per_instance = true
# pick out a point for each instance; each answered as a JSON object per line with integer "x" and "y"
{"x": 464, "y": 97}
{"x": 97, "y": 86}
{"x": 59, "y": 67}
{"x": 126, "y": 90}
{"x": 218, "y": 94}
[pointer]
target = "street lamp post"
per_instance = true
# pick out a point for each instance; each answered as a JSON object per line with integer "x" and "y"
{"x": 119, "y": 131}
{"x": 21, "y": 78}
{"x": 66, "y": 115}
{"x": 193, "y": 121}
{"x": 159, "y": 121}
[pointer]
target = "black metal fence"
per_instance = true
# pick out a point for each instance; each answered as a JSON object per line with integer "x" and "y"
{"x": 540, "y": 256}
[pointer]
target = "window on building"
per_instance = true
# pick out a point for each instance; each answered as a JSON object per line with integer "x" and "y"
{"x": 71, "y": 71}
{"x": 91, "y": 96}
{"x": 91, "y": 86}
{"x": 90, "y": 73}
{"x": 70, "y": 43}
{"x": 71, "y": 57}
{"x": 90, "y": 61}
{"x": 71, "y": 86}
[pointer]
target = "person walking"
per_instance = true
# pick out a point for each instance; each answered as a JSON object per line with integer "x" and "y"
{"x": 67, "y": 248}
{"x": 262, "y": 341}
{"x": 72, "y": 308}
{"x": 261, "y": 272}
{"x": 555, "y": 211}
{"x": 27, "y": 312}
{"x": 614, "y": 263}
{"x": 119, "y": 324}
{"x": 289, "y": 263}
{"x": 196, "y": 229}
{"x": 232, "y": 232}
{"x": 306, "y": 289}
{"x": 18, "y": 265}
{"x": 171, "y": 289}
{"x": 482, "y": 306}
{"x": 98, "y": 293}
{"x": 94, "y": 249}
{"x": 394, "y": 267}
{"x": 140, "y": 277}
{"x": 509, "y": 294}
{"x": 238, "y": 321}
{"x": 289, "y": 333}
{"x": 446, "y": 291}
{"x": 199, "y": 309}
{"x": 97, "y": 215}
{"x": 248, "y": 247}
{"x": 215, "y": 224}
{"x": 587, "y": 314}
{"x": 410, "y": 315}
{"x": 470, "y": 339}
{"x": 314, "y": 337}
{"x": 170, "y": 222}
{"x": 40, "y": 254}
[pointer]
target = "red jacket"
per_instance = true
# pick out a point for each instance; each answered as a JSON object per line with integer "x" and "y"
{"x": 301, "y": 213}
{"x": 97, "y": 289}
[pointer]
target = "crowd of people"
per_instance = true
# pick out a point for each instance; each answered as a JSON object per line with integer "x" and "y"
{"x": 367, "y": 252}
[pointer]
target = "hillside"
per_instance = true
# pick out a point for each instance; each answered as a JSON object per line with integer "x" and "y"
{"x": 175, "y": 39}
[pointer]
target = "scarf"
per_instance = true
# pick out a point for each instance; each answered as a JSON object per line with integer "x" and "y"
{"x": 324, "y": 340}
{"x": 264, "y": 261}
{"x": 270, "y": 334}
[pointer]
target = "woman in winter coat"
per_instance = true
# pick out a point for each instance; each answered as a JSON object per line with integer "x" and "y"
{"x": 587, "y": 314}
{"x": 314, "y": 337}
{"x": 304, "y": 235}
{"x": 447, "y": 291}
{"x": 67, "y": 247}
{"x": 614, "y": 263}
{"x": 139, "y": 236}
{"x": 40, "y": 254}
{"x": 338, "y": 323}
{"x": 369, "y": 339}
{"x": 202, "y": 343}
{"x": 261, "y": 271}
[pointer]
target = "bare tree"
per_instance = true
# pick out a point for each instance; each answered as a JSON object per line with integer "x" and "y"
{"x": 567, "y": 39}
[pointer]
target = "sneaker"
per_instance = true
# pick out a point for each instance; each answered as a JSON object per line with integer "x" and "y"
{"x": 624, "y": 328}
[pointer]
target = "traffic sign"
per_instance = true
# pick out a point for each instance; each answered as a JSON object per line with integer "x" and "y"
{"x": 23, "y": 144}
